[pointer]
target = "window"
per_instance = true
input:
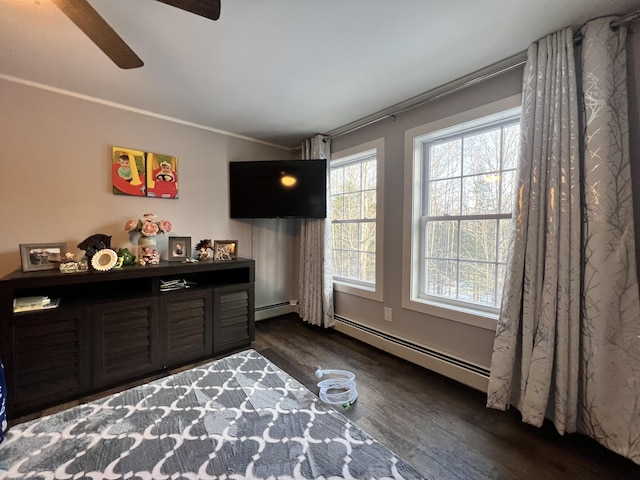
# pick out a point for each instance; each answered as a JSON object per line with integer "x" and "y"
{"x": 464, "y": 180}
{"x": 355, "y": 219}
{"x": 467, "y": 197}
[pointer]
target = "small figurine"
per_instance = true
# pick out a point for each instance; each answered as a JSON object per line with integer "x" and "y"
{"x": 127, "y": 256}
{"x": 94, "y": 243}
{"x": 70, "y": 264}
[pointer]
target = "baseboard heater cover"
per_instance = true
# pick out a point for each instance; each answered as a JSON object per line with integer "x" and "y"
{"x": 273, "y": 310}
{"x": 464, "y": 372}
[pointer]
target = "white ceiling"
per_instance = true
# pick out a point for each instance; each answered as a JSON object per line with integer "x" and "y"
{"x": 279, "y": 70}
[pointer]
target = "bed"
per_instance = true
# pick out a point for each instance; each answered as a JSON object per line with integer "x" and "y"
{"x": 239, "y": 417}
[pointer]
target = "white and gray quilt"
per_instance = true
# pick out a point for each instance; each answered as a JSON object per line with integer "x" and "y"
{"x": 239, "y": 417}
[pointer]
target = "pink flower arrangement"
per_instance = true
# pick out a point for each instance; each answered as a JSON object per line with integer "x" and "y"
{"x": 148, "y": 225}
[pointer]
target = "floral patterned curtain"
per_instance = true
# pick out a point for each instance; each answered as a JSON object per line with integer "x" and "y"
{"x": 567, "y": 344}
{"x": 315, "y": 281}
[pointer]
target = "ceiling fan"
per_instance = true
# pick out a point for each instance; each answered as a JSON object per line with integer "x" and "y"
{"x": 100, "y": 32}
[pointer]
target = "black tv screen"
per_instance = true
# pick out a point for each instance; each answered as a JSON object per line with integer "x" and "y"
{"x": 278, "y": 189}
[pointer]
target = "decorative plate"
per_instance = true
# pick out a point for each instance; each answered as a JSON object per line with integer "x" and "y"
{"x": 104, "y": 260}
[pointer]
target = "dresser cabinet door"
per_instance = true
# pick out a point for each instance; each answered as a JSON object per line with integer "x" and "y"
{"x": 125, "y": 340}
{"x": 186, "y": 326}
{"x": 50, "y": 358}
{"x": 234, "y": 317}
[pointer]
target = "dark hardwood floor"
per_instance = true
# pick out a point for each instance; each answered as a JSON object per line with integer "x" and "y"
{"x": 440, "y": 427}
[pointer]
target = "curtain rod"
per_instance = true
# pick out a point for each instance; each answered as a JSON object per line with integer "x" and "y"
{"x": 464, "y": 82}
{"x": 459, "y": 84}
{"x": 577, "y": 36}
{"x": 626, "y": 19}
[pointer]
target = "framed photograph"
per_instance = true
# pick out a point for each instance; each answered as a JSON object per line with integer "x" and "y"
{"x": 225, "y": 249}
{"x": 41, "y": 256}
{"x": 179, "y": 248}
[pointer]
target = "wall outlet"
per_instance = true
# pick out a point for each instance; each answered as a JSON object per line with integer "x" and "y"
{"x": 388, "y": 314}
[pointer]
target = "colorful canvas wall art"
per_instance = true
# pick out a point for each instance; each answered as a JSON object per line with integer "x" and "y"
{"x": 143, "y": 174}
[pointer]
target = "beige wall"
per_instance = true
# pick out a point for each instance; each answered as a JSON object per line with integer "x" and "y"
{"x": 469, "y": 343}
{"x": 55, "y": 183}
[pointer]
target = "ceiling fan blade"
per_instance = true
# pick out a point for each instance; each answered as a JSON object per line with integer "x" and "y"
{"x": 206, "y": 8}
{"x": 100, "y": 33}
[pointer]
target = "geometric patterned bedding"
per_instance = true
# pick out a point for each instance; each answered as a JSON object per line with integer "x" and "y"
{"x": 239, "y": 417}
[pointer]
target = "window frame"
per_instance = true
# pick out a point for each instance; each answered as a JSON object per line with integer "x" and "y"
{"x": 354, "y": 287}
{"x": 413, "y": 202}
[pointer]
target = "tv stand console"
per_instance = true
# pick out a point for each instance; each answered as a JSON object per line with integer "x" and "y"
{"x": 114, "y": 327}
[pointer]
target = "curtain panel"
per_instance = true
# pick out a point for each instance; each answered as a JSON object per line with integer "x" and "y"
{"x": 537, "y": 336}
{"x": 315, "y": 280}
{"x": 567, "y": 344}
{"x": 610, "y": 355}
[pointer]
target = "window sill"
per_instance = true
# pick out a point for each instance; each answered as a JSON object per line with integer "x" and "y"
{"x": 358, "y": 291}
{"x": 485, "y": 320}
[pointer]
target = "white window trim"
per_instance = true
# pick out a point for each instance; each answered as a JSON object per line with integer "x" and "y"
{"x": 375, "y": 293}
{"x": 411, "y": 214}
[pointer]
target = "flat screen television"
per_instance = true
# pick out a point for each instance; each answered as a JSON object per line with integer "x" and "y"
{"x": 278, "y": 189}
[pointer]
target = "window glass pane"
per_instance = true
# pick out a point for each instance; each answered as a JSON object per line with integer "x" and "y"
{"x": 444, "y": 198}
{"x": 445, "y": 159}
{"x": 336, "y": 235}
{"x": 350, "y": 239}
{"x": 441, "y": 278}
{"x": 368, "y": 237}
{"x": 481, "y": 152}
{"x": 352, "y": 206}
{"x": 352, "y": 178}
{"x": 337, "y": 181}
{"x": 480, "y": 194}
{"x": 504, "y": 239}
{"x": 350, "y": 268}
{"x": 477, "y": 283}
{"x": 478, "y": 240}
{"x": 442, "y": 239}
{"x": 508, "y": 185}
{"x": 511, "y": 142}
{"x": 369, "y": 204}
{"x": 368, "y": 267}
{"x": 337, "y": 207}
{"x": 369, "y": 173}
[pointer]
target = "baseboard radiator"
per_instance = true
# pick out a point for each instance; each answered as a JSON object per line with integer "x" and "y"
{"x": 275, "y": 309}
{"x": 446, "y": 365}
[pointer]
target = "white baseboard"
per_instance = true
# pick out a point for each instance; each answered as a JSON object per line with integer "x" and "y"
{"x": 463, "y": 372}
